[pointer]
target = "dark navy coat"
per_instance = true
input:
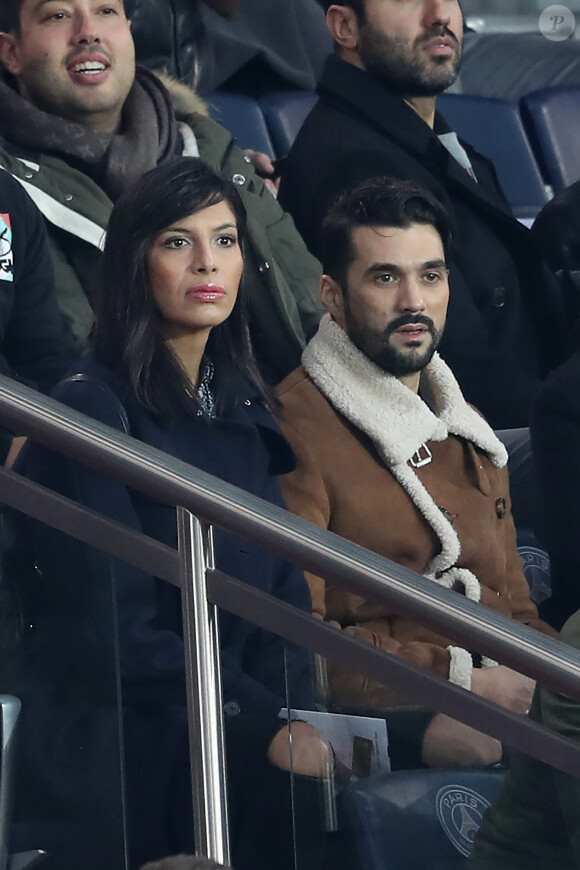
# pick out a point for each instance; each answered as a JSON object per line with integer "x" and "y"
{"x": 555, "y": 434}
{"x": 95, "y": 613}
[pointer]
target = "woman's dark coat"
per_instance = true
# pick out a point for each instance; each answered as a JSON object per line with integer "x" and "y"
{"x": 74, "y": 690}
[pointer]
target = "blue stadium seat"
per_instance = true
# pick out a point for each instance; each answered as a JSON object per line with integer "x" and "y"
{"x": 536, "y": 564}
{"x": 494, "y": 127}
{"x": 243, "y": 117}
{"x": 285, "y": 113}
{"x": 553, "y": 116}
{"x": 418, "y": 819}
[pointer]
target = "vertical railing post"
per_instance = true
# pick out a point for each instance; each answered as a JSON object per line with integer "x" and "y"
{"x": 9, "y": 710}
{"x": 204, "y": 691}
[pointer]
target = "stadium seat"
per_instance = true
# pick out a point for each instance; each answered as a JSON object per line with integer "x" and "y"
{"x": 536, "y": 564}
{"x": 418, "y": 819}
{"x": 10, "y": 711}
{"x": 553, "y": 117}
{"x": 243, "y": 117}
{"x": 285, "y": 113}
{"x": 494, "y": 127}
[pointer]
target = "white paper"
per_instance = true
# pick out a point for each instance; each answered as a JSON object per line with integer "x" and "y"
{"x": 360, "y": 743}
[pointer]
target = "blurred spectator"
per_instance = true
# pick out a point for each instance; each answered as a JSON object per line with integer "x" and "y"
{"x": 510, "y": 65}
{"x": 36, "y": 345}
{"x": 170, "y": 35}
{"x": 79, "y": 125}
{"x": 557, "y": 232}
{"x": 555, "y": 424}
{"x": 555, "y": 431}
{"x": 392, "y": 457}
{"x": 535, "y": 822}
{"x": 269, "y": 45}
{"x": 507, "y": 324}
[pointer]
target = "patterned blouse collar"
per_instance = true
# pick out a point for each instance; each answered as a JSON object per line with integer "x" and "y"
{"x": 204, "y": 393}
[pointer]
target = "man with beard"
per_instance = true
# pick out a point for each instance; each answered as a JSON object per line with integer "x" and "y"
{"x": 80, "y": 123}
{"x": 508, "y": 323}
{"x": 392, "y": 457}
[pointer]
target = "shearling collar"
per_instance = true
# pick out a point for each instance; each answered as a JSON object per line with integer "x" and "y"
{"x": 395, "y": 418}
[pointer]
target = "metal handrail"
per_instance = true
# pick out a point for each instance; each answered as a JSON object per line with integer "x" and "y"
{"x": 343, "y": 563}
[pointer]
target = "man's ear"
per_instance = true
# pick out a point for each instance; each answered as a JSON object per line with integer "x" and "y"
{"x": 343, "y": 24}
{"x": 10, "y": 53}
{"x": 332, "y": 298}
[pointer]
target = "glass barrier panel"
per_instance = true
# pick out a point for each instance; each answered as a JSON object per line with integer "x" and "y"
{"x": 395, "y": 769}
{"x": 59, "y": 656}
{"x": 260, "y": 787}
{"x": 409, "y": 788}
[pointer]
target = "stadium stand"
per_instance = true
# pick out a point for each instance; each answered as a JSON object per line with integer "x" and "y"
{"x": 419, "y": 819}
{"x": 553, "y": 117}
{"x": 493, "y": 126}
{"x": 479, "y": 120}
{"x": 243, "y": 117}
{"x": 285, "y": 113}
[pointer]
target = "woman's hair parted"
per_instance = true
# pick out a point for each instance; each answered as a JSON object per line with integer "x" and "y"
{"x": 128, "y": 332}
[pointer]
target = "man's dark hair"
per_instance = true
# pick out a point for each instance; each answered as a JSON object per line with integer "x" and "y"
{"x": 10, "y": 16}
{"x": 378, "y": 202}
{"x": 128, "y": 332}
{"x": 184, "y": 862}
{"x": 357, "y": 5}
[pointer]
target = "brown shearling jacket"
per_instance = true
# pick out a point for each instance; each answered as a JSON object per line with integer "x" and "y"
{"x": 341, "y": 484}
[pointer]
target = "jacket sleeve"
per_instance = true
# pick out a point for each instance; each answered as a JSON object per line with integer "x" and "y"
{"x": 523, "y": 609}
{"x": 151, "y": 658}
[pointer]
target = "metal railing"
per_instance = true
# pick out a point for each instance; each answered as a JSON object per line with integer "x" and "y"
{"x": 202, "y": 501}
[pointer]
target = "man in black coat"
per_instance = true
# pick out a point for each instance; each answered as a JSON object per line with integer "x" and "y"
{"x": 508, "y": 323}
{"x": 36, "y": 344}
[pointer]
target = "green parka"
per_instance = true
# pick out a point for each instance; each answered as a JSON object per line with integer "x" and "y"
{"x": 282, "y": 275}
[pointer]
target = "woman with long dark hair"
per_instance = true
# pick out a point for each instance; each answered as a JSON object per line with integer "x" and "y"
{"x": 172, "y": 366}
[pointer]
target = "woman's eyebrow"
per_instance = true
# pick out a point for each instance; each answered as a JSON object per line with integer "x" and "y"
{"x": 188, "y": 230}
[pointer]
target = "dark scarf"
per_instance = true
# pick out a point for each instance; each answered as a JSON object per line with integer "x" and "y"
{"x": 149, "y": 134}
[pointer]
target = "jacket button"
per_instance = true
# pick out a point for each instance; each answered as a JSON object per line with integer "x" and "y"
{"x": 239, "y": 179}
{"x": 264, "y": 267}
{"x": 247, "y": 402}
{"x": 498, "y": 297}
{"x": 28, "y": 175}
{"x": 232, "y": 708}
{"x": 247, "y": 159}
{"x": 68, "y": 197}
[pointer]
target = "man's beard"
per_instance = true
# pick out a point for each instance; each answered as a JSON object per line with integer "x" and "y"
{"x": 375, "y": 344}
{"x": 400, "y": 65}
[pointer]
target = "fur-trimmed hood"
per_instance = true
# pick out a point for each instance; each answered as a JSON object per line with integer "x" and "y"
{"x": 185, "y": 100}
